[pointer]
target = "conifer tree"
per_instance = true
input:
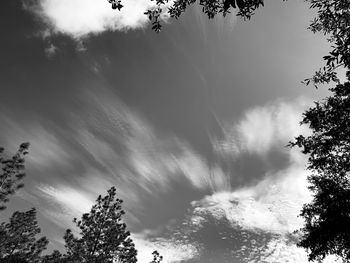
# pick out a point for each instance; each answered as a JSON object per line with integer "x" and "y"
{"x": 18, "y": 241}
{"x": 103, "y": 234}
{"x": 12, "y": 172}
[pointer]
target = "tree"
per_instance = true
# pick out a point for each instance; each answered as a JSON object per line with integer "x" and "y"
{"x": 18, "y": 242}
{"x": 103, "y": 234}
{"x": 327, "y": 217}
{"x": 12, "y": 173}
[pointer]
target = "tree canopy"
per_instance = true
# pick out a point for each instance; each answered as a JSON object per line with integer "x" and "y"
{"x": 103, "y": 234}
{"x": 327, "y": 217}
{"x": 18, "y": 242}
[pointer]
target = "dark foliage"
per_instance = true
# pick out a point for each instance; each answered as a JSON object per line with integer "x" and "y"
{"x": 327, "y": 217}
{"x": 104, "y": 237}
{"x": 211, "y": 8}
{"x": 54, "y": 257}
{"x": 157, "y": 258}
{"x": 333, "y": 20}
{"x": 11, "y": 174}
{"x": 18, "y": 242}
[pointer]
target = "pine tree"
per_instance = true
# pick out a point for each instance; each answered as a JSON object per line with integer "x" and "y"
{"x": 18, "y": 242}
{"x": 103, "y": 234}
{"x": 12, "y": 173}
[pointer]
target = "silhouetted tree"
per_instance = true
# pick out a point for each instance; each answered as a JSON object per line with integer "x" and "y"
{"x": 327, "y": 217}
{"x": 11, "y": 174}
{"x": 18, "y": 242}
{"x": 103, "y": 234}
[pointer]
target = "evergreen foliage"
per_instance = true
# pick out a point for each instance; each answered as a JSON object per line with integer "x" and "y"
{"x": 12, "y": 173}
{"x": 103, "y": 234}
{"x": 18, "y": 242}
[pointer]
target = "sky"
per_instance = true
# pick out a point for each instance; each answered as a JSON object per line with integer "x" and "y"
{"x": 189, "y": 124}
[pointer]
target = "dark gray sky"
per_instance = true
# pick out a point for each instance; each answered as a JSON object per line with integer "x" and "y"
{"x": 189, "y": 124}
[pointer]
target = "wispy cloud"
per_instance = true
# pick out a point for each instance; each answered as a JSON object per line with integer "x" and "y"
{"x": 45, "y": 149}
{"x": 80, "y": 18}
{"x": 263, "y": 128}
{"x": 68, "y": 203}
{"x": 129, "y": 148}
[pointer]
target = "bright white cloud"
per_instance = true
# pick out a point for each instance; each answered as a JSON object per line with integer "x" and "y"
{"x": 272, "y": 205}
{"x": 263, "y": 128}
{"x": 172, "y": 251}
{"x": 71, "y": 200}
{"x": 79, "y": 18}
{"x": 66, "y": 203}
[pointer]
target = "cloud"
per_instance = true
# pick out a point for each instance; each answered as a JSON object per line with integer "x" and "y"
{"x": 263, "y": 128}
{"x": 271, "y": 206}
{"x": 65, "y": 202}
{"x": 45, "y": 149}
{"x": 117, "y": 146}
{"x": 80, "y": 18}
{"x": 133, "y": 152}
{"x": 172, "y": 250}
{"x": 50, "y": 50}
{"x": 274, "y": 202}
{"x": 280, "y": 250}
